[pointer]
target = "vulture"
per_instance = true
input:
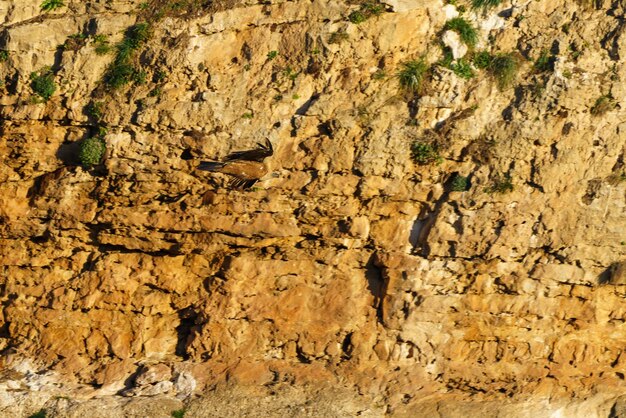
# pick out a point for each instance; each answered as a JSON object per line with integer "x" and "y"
{"x": 245, "y": 167}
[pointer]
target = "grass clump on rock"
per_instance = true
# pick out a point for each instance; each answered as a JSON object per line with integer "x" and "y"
{"x": 504, "y": 68}
{"x": 425, "y": 153}
{"x": 466, "y": 31}
{"x": 49, "y": 5}
{"x": 367, "y": 10}
{"x": 42, "y": 83}
{"x": 485, "y": 4}
{"x": 602, "y": 105}
{"x": 122, "y": 71}
{"x": 501, "y": 185}
{"x": 91, "y": 151}
{"x": 459, "y": 183}
{"x": 412, "y": 74}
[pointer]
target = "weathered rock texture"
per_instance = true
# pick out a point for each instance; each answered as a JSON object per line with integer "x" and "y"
{"x": 351, "y": 280}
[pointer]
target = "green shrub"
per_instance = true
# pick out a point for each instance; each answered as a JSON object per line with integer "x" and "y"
{"x": 367, "y": 10}
{"x": 447, "y": 58}
{"x": 119, "y": 74}
{"x": 271, "y": 55}
{"x": 179, "y": 413}
{"x": 49, "y": 5}
{"x": 504, "y": 68}
{"x": 463, "y": 69}
{"x": 357, "y": 17}
{"x": 466, "y": 31}
{"x": 412, "y": 74}
{"x": 485, "y": 4}
{"x": 425, "y": 153}
{"x": 545, "y": 62}
{"x": 155, "y": 92}
{"x": 459, "y": 183}
{"x": 91, "y": 151}
{"x": 102, "y": 44}
{"x": 95, "y": 110}
{"x": 379, "y": 75}
{"x": 337, "y": 37}
{"x": 501, "y": 185}
{"x": 138, "y": 34}
{"x": 39, "y": 414}
{"x": 4, "y": 55}
{"x": 482, "y": 60}
{"x": 602, "y": 105}
{"x": 75, "y": 42}
{"x": 42, "y": 83}
{"x": 121, "y": 71}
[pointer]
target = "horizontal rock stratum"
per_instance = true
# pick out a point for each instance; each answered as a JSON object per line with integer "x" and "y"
{"x": 438, "y": 234}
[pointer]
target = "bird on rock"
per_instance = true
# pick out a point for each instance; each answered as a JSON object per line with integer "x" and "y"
{"x": 246, "y": 167}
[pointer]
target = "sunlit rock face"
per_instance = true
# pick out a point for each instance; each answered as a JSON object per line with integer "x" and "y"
{"x": 456, "y": 247}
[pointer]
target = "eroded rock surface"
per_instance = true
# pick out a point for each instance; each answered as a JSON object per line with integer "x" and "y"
{"x": 350, "y": 280}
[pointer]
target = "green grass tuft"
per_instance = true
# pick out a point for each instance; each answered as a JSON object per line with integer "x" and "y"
{"x": 459, "y": 183}
{"x": 504, "y": 68}
{"x": 39, "y": 414}
{"x": 425, "y": 153}
{"x": 91, "y": 151}
{"x": 367, "y": 10}
{"x": 602, "y": 105}
{"x": 42, "y": 83}
{"x": 179, "y": 413}
{"x": 545, "y": 62}
{"x": 338, "y": 37}
{"x": 485, "y": 4}
{"x": 463, "y": 69}
{"x": 102, "y": 44}
{"x": 501, "y": 185}
{"x": 466, "y": 31}
{"x": 482, "y": 60}
{"x": 49, "y": 5}
{"x": 412, "y": 74}
{"x": 121, "y": 71}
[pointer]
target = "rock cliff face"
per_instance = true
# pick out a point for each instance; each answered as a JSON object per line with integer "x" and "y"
{"x": 352, "y": 279}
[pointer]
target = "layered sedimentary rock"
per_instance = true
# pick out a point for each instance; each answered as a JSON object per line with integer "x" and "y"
{"x": 350, "y": 266}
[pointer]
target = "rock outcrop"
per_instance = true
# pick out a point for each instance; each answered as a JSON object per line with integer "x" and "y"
{"x": 352, "y": 279}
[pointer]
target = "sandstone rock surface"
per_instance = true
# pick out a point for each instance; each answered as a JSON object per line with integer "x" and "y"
{"x": 349, "y": 281}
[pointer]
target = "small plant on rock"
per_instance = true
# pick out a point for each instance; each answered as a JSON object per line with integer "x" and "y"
{"x": 102, "y": 44}
{"x": 4, "y": 55}
{"x": 75, "y": 42}
{"x": 463, "y": 69}
{"x": 501, "y": 185}
{"x": 482, "y": 60}
{"x": 485, "y": 4}
{"x": 466, "y": 31}
{"x": 42, "y": 83}
{"x": 425, "y": 153}
{"x": 412, "y": 75}
{"x": 338, "y": 37}
{"x": 367, "y": 10}
{"x": 179, "y": 413}
{"x": 39, "y": 414}
{"x": 602, "y": 105}
{"x": 91, "y": 151}
{"x": 545, "y": 62}
{"x": 49, "y": 5}
{"x": 459, "y": 183}
{"x": 271, "y": 55}
{"x": 504, "y": 68}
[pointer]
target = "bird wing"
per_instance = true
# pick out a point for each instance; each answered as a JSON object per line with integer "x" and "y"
{"x": 257, "y": 154}
{"x": 242, "y": 184}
